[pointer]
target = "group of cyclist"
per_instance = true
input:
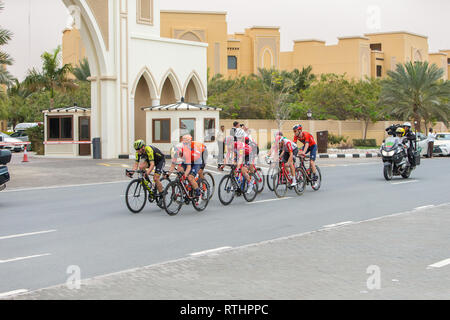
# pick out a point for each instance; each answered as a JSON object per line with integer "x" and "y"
{"x": 189, "y": 157}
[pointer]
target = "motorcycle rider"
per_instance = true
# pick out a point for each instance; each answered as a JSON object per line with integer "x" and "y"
{"x": 411, "y": 137}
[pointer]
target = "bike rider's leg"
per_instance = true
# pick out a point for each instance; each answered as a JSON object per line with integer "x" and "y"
{"x": 290, "y": 162}
{"x": 191, "y": 178}
{"x": 157, "y": 177}
{"x": 313, "y": 156}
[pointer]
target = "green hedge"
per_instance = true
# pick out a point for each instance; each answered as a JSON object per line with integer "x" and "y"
{"x": 36, "y": 137}
{"x": 364, "y": 143}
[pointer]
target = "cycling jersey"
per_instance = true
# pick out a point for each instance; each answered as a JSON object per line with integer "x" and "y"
{"x": 194, "y": 154}
{"x": 289, "y": 146}
{"x": 150, "y": 154}
{"x": 305, "y": 138}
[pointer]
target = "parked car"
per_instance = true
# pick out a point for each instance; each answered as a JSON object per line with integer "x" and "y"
{"x": 422, "y": 143}
{"x": 442, "y": 144}
{"x": 8, "y": 139}
{"x": 22, "y": 136}
{"x": 5, "y": 158}
{"x": 25, "y": 125}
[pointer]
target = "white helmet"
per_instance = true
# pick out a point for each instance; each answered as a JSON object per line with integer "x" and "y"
{"x": 239, "y": 133}
{"x": 407, "y": 124}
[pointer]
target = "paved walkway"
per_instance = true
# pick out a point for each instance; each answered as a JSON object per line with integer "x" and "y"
{"x": 410, "y": 252}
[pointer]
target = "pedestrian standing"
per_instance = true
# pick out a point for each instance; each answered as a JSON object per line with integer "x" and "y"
{"x": 431, "y": 138}
{"x": 220, "y": 144}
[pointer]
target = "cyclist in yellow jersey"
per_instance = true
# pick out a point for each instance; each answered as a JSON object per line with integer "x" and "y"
{"x": 149, "y": 157}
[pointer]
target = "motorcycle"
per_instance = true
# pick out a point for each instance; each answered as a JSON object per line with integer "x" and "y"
{"x": 395, "y": 158}
{"x": 5, "y": 158}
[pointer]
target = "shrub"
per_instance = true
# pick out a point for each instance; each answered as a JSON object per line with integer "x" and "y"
{"x": 36, "y": 137}
{"x": 364, "y": 143}
{"x": 335, "y": 139}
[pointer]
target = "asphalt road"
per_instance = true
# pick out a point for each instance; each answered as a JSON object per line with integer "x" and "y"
{"x": 90, "y": 227}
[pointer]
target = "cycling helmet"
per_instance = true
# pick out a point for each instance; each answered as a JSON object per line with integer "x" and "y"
{"x": 138, "y": 144}
{"x": 239, "y": 133}
{"x": 400, "y": 131}
{"x": 407, "y": 124}
{"x": 297, "y": 127}
{"x": 279, "y": 133}
{"x": 279, "y": 139}
{"x": 187, "y": 138}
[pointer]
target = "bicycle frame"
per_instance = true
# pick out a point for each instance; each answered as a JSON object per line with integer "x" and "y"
{"x": 285, "y": 173}
{"x": 306, "y": 172}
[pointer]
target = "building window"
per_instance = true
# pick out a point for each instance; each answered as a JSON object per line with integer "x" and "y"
{"x": 232, "y": 63}
{"x": 60, "y": 128}
{"x": 210, "y": 129}
{"x": 161, "y": 130}
{"x": 448, "y": 60}
{"x": 376, "y": 47}
{"x": 187, "y": 126}
{"x": 379, "y": 71}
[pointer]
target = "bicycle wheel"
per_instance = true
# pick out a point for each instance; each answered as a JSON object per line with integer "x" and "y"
{"x": 173, "y": 198}
{"x": 226, "y": 190}
{"x": 212, "y": 184}
{"x": 261, "y": 179}
{"x": 203, "y": 201}
{"x": 249, "y": 197}
{"x": 279, "y": 184}
{"x": 316, "y": 184}
{"x": 301, "y": 181}
{"x": 136, "y": 196}
{"x": 270, "y": 174}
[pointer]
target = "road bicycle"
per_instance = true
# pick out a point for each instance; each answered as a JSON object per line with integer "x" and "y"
{"x": 141, "y": 189}
{"x": 234, "y": 184}
{"x": 212, "y": 183}
{"x": 270, "y": 173}
{"x": 180, "y": 191}
{"x": 282, "y": 181}
{"x": 307, "y": 172}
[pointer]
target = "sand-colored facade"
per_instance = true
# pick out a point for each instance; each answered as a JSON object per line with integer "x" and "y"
{"x": 242, "y": 53}
{"x": 73, "y": 50}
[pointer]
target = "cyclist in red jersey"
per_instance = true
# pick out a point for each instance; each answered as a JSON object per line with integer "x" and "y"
{"x": 288, "y": 151}
{"x": 309, "y": 144}
{"x": 243, "y": 153}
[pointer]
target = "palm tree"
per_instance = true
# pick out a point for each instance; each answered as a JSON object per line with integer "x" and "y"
{"x": 82, "y": 71}
{"x": 5, "y": 59}
{"x": 414, "y": 91}
{"x": 53, "y": 77}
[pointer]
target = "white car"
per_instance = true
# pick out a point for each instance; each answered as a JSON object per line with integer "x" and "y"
{"x": 442, "y": 144}
{"x": 422, "y": 143}
{"x": 12, "y": 146}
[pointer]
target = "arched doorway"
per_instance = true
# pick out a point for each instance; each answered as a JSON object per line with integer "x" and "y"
{"x": 142, "y": 99}
{"x": 191, "y": 95}
{"x": 168, "y": 93}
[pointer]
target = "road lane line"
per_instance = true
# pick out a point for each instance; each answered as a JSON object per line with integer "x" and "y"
{"x": 24, "y": 258}
{"x": 200, "y": 253}
{"x": 425, "y": 207}
{"x": 338, "y": 224}
{"x": 440, "y": 264}
{"x": 12, "y": 293}
{"x": 412, "y": 181}
{"x": 25, "y": 234}
{"x": 66, "y": 186}
{"x": 269, "y": 200}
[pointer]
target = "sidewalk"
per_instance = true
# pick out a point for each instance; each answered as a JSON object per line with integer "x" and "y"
{"x": 332, "y": 263}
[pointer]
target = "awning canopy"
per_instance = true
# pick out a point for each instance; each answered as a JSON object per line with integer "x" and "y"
{"x": 181, "y": 106}
{"x": 74, "y": 108}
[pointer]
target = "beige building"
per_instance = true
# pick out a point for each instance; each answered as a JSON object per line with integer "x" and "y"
{"x": 371, "y": 55}
{"x": 73, "y": 50}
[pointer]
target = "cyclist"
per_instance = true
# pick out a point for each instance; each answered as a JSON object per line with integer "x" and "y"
{"x": 243, "y": 153}
{"x": 149, "y": 157}
{"x": 274, "y": 149}
{"x": 193, "y": 160}
{"x": 309, "y": 144}
{"x": 288, "y": 150}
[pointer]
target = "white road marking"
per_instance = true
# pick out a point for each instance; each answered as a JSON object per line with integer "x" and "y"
{"x": 269, "y": 200}
{"x": 24, "y": 258}
{"x": 425, "y": 207}
{"x": 440, "y": 264}
{"x": 200, "y": 253}
{"x": 338, "y": 224}
{"x": 405, "y": 182}
{"x": 25, "y": 234}
{"x": 67, "y": 186}
{"x": 12, "y": 293}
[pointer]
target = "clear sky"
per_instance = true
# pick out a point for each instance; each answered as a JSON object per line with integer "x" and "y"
{"x": 38, "y": 24}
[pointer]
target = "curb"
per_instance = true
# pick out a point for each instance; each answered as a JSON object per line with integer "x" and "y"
{"x": 354, "y": 155}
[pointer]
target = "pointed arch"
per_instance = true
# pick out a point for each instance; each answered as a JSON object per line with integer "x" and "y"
{"x": 190, "y": 36}
{"x": 201, "y": 91}
{"x": 171, "y": 76}
{"x": 151, "y": 83}
{"x": 267, "y": 53}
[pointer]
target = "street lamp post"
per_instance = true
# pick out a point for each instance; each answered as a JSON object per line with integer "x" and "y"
{"x": 309, "y": 114}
